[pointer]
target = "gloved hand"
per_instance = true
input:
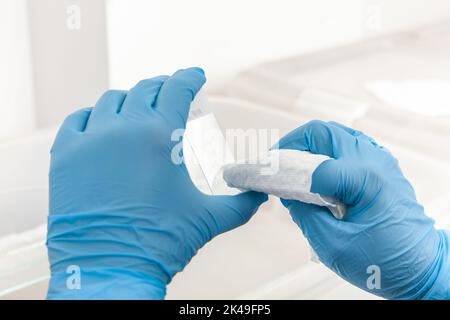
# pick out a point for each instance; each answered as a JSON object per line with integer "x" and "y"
{"x": 124, "y": 217}
{"x": 385, "y": 245}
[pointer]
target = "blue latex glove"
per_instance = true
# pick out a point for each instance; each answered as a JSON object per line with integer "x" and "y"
{"x": 123, "y": 216}
{"x": 385, "y": 235}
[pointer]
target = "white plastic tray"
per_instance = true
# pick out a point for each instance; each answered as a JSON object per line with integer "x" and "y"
{"x": 306, "y": 85}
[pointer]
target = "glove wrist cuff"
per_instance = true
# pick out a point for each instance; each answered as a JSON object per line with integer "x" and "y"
{"x": 440, "y": 289}
{"x": 105, "y": 284}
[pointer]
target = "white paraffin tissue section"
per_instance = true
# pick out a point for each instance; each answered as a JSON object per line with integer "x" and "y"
{"x": 284, "y": 173}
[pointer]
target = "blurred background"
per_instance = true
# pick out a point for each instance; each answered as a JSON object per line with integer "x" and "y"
{"x": 380, "y": 66}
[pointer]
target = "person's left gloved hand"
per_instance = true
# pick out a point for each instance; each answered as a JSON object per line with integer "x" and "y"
{"x": 385, "y": 244}
{"x": 123, "y": 217}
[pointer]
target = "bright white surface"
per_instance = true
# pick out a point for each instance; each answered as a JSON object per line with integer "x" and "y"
{"x": 311, "y": 281}
{"x": 24, "y": 182}
{"x": 156, "y": 37}
{"x": 344, "y": 71}
{"x": 70, "y": 68}
{"x": 160, "y": 36}
{"x": 337, "y": 107}
{"x": 412, "y": 95}
{"x": 16, "y": 110}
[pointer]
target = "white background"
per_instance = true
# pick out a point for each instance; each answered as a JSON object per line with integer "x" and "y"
{"x": 149, "y": 37}
{"x": 159, "y": 36}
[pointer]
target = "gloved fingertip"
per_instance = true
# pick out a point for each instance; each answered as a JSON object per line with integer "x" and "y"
{"x": 193, "y": 72}
{"x": 190, "y": 78}
{"x": 325, "y": 179}
{"x": 77, "y": 120}
{"x": 199, "y": 70}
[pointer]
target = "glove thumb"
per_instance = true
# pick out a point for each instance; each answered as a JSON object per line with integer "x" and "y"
{"x": 229, "y": 212}
{"x": 348, "y": 181}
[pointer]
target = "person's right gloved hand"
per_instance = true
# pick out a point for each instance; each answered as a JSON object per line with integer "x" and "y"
{"x": 124, "y": 214}
{"x": 386, "y": 244}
